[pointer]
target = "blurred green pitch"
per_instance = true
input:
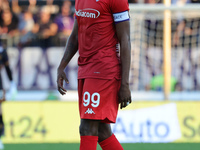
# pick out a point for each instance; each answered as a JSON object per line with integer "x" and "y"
{"x": 75, "y": 146}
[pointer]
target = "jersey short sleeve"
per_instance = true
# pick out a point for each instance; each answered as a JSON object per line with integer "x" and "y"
{"x": 120, "y": 10}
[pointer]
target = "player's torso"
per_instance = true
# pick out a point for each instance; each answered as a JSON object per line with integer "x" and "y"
{"x": 97, "y": 39}
{"x": 96, "y": 28}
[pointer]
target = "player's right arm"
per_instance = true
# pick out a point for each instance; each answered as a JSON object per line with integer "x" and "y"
{"x": 70, "y": 50}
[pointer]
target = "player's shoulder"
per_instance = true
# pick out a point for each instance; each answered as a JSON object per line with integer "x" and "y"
{"x": 117, "y": 1}
{"x": 118, "y": 6}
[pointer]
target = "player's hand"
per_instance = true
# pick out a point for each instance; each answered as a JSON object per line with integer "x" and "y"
{"x": 124, "y": 96}
{"x": 61, "y": 76}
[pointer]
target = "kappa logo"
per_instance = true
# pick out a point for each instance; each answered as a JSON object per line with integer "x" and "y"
{"x": 89, "y": 111}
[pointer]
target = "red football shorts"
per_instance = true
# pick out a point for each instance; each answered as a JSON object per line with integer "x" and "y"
{"x": 98, "y": 99}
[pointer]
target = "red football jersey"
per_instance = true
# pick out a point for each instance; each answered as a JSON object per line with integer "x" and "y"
{"x": 98, "y": 43}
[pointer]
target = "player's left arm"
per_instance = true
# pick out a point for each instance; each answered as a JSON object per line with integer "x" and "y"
{"x": 123, "y": 34}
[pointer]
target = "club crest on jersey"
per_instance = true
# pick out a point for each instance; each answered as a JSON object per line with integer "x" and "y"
{"x": 88, "y": 13}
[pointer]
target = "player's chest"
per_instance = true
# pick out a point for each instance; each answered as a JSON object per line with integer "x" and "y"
{"x": 92, "y": 8}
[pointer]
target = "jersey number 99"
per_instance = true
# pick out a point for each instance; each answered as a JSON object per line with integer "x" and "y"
{"x": 95, "y": 99}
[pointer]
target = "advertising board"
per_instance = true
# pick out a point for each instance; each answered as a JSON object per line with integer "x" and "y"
{"x": 54, "y": 122}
